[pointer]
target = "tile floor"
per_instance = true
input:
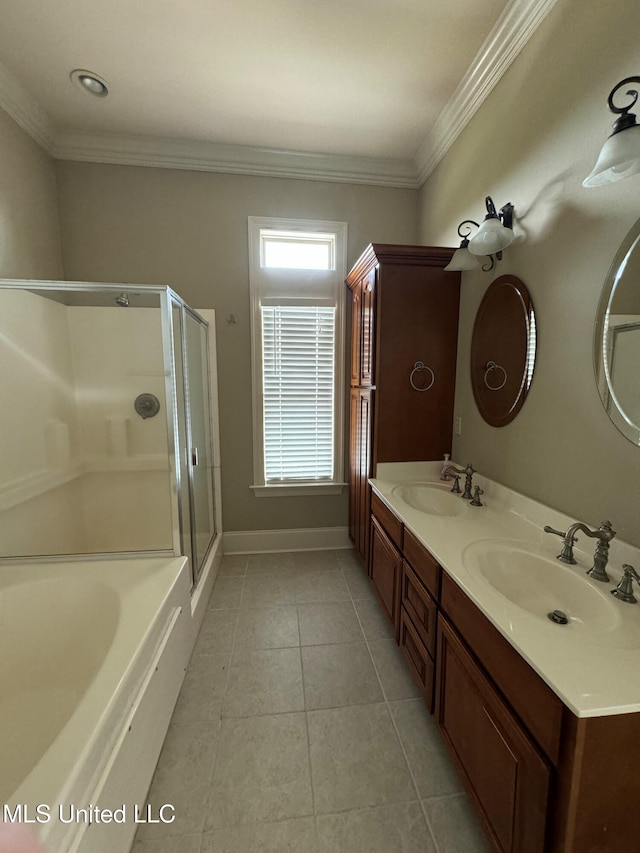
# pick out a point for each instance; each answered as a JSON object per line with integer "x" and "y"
{"x": 298, "y": 728}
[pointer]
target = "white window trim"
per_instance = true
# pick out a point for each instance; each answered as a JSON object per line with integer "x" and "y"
{"x": 260, "y": 293}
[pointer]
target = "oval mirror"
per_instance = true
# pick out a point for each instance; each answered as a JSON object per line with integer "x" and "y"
{"x": 617, "y": 339}
{"x": 503, "y": 350}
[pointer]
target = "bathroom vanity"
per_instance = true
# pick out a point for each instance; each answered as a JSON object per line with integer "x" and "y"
{"x": 542, "y": 720}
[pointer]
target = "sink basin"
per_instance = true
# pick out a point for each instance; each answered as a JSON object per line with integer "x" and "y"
{"x": 541, "y": 585}
{"x": 431, "y": 498}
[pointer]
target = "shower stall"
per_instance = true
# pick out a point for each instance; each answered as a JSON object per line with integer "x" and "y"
{"x": 108, "y": 407}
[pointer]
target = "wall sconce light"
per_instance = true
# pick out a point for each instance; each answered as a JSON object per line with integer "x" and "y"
{"x": 494, "y": 234}
{"x": 462, "y": 258}
{"x": 620, "y": 154}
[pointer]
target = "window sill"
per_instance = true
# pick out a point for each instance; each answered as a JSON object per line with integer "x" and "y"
{"x": 287, "y": 490}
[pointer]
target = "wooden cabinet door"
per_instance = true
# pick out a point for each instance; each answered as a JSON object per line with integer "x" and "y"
{"x": 385, "y": 568}
{"x": 505, "y": 775}
{"x": 356, "y": 323}
{"x": 363, "y": 330}
{"x": 367, "y": 329}
{"x": 361, "y": 402}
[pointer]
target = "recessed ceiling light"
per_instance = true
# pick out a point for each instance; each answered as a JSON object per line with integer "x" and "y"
{"x": 90, "y": 82}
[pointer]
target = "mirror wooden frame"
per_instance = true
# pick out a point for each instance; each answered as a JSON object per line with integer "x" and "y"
{"x": 503, "y": 350}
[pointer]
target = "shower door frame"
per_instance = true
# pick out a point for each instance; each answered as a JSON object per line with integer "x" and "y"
{"x": 173, "y": 299}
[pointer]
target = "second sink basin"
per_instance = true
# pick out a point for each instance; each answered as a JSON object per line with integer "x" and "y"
{"x": 541, "y": 585}
{"x": 430, "y": 498}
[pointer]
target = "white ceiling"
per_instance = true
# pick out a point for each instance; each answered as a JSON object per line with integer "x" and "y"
{"x": 354, "y": 88}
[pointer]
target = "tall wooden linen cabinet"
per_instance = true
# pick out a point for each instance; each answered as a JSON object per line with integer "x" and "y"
{"x": 403, "y": 361}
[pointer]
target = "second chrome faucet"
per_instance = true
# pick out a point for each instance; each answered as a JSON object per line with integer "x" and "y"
{"x": 604, "y": 534}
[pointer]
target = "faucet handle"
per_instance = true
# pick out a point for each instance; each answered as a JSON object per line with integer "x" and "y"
{"x": 624, "y": 590}
{"x": 560, "y": 533}
{"x": 566, "y": 555}
{"x": 456, "y": 484}
{"x": 477, "y": 491}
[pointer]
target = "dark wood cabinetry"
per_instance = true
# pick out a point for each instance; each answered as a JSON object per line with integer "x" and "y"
{"x": 505, "y": 774}
{"x": 408, "y": 591}
{"x": 404, "y": 311}
{"x": 386, "y": 569}
{"x": 541, "y": 779}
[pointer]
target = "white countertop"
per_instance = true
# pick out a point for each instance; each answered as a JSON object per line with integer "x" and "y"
{"x": 595, "y": 672}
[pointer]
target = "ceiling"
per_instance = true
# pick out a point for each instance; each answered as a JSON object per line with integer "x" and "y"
{"x": 366, "y": 90}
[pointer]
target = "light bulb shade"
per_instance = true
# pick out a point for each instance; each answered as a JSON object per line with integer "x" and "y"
{"x": 619, "y": 158}
{"x": 490, "y": 238}
{"x": 462, "y": 260}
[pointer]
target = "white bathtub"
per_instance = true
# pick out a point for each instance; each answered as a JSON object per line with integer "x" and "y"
{"x": 92, "y": 657}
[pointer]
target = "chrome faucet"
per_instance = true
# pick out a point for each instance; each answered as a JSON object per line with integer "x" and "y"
{"x": 469, "y": 471}
{"x": 604, "y": 534}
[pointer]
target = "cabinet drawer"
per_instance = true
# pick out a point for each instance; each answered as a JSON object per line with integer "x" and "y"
{"x": 420, "y": 607}
{"x": 536, "y": 704}
{"x": 387, "y": 520}
{"x": 418, "y": 658}
{"x": 422, "y": 563}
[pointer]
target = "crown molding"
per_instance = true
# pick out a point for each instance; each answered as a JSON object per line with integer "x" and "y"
{"x": 512, "y": 31}
{"x": 234, "y": 159}
{"x": 514, "y": 28}
{"x": 25, "y": 110}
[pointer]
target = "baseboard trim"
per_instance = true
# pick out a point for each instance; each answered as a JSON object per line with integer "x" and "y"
{"x": 302, "y": 539}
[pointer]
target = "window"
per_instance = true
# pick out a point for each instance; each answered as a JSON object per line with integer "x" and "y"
{"x": 297, "y": 269}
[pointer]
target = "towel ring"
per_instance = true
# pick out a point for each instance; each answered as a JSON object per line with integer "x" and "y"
{"x": 417, "y": 367}
{"x": 491, "y": 366}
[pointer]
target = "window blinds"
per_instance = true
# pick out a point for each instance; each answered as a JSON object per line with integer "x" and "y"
{"x": 298, "y": 392}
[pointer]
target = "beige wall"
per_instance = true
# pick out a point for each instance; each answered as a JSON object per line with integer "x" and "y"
{"x": 532, "y": 143}
{"x": 189, "y": 230}
{"x": 29, "y": 228}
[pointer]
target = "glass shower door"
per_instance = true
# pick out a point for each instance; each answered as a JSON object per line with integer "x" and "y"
{"x": 200, "y": 439}
{"x": 182, "y": 452}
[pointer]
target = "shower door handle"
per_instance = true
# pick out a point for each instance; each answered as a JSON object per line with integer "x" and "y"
{"x": 194, "y": 456}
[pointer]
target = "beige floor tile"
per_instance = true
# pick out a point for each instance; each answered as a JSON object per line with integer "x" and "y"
{"x": 399, "y": 828}
{"x": 316, "y": 561}
{"x": 358, "y": 583}
{"x": 267, "y": 591}
{"x": 321, "y": 586}
{"x": 339, "y": 675}
{"x": 356, "y": 759}
{"x": 374, "y": 623}
{"x": 333, "y": 622}
{"x": 226, "y": 593}
{"x": 286, "y": 836}
{"x": 203, "y": 689}
{"x": 261, "y": 772}
{"x": 233, "y": 565}
{"x": 216, "y": 633}
{"x": 396, "y": 679}
{"x": 182, "y": 779}
{"x": 348, "y": 559}
{"x": 264, "y": 681}
{"x": 292, "y": 562}
{"x": 267, "y": 628}
{"x": 271, "y": 564}
{"x": 185, "y": 844}
{"x": 425, "y": 749}
{"x": 454, "y": 825}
